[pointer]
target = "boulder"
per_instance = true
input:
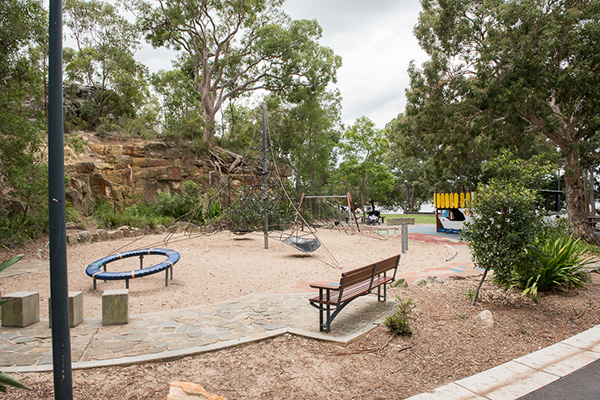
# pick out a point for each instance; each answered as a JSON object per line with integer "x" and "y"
{"x": 116, "y": 235}
{"x": 400, "y": 282}
{"x": 84, "y": 237}
{"x": 71, "y": 239}
{"x": 190, "y": 391}
{"x": 484, "y": 319}
{"x": 434, "y": 280}
{"x": 420, "y": 282}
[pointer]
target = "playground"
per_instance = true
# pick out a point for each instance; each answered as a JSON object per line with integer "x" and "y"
{"x": 223, "y": 272}
{"x": 218, "y": 267}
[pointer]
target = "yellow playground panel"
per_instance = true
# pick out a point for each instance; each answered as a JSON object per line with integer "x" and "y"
{"x": 452, "y": 200}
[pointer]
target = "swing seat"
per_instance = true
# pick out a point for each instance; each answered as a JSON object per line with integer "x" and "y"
{"x": 302, "y": 244}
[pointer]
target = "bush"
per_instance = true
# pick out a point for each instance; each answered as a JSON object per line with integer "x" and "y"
{"x": 399, "y": 322}
{"x": 504, "y": 226}
{"x": 506, "y": 219}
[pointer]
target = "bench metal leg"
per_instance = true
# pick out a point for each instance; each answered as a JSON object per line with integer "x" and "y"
{"x": 382, "y": 297}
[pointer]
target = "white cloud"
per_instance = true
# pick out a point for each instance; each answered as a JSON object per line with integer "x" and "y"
{"x": 376, "y": 43}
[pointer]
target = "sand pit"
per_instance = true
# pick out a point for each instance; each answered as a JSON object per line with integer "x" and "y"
{"x": 218, "y": 267}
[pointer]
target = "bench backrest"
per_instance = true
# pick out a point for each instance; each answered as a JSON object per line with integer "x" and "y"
{"x": 358, "y": 275}
{"x": 387, "y": 265}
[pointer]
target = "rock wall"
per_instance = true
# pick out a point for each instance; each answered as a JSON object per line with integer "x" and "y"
{"x": 123, "y": 172}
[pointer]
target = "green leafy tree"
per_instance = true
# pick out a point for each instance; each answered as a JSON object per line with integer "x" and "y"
{"x": 236, "y": 47}
{"x": 305, "y": 127}
{"x": 23, "y": 38}
{"x": 530, "y": 66}
{"x": 181, "y": 104}
{"x": 362, "y": 171}
{"x": 506, "y": 219}
{"x": 104, "y": 60}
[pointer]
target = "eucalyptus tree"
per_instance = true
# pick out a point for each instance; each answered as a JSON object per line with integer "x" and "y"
{"x": 531, "y": 66}
{"x": 103, "y": 59}
{"x": 23, "y": 40}
{"x": 236, "y": 47}
{"x": 363, "y": 171}
{"x": 306, "y": 129}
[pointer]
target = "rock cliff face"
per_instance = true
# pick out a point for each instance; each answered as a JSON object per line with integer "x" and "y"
{"x": 126, "y": 171}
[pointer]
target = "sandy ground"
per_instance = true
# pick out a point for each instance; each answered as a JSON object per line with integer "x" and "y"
{"x": 217, "y": 268}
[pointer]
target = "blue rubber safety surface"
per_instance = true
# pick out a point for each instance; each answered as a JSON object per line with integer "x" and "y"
{"x": 429, "y": 229}
{"x": 583, "y": 384}
{"x": 94, "y": 269}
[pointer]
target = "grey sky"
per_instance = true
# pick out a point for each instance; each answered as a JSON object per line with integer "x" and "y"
{"x": 376, "y": 43}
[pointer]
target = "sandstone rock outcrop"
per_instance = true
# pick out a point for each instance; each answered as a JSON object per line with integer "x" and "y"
{"x": 125, "y": 171}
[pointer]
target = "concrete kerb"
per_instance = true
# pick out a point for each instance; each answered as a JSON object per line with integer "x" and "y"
{"x": 526, "y": 374}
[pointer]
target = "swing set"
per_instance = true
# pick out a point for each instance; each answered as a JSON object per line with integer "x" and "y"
{"x": 323, "y": 213}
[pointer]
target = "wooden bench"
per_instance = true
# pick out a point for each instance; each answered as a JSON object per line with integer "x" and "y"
{"x": 358, "y": 282}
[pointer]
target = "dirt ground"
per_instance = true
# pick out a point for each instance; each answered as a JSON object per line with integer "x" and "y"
{"x": 446, "y": 344}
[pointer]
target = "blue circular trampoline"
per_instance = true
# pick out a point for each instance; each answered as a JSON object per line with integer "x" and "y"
{"x": 97, "y": 269}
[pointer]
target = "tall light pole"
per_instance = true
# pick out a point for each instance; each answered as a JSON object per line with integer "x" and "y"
{"x": 59, "y": 292}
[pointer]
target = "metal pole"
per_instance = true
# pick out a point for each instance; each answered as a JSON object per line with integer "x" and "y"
{"x": 265, "y": 177}
{"x": 404, "y": 237}
{"x": 406, "y": 202}
{"x": 59, "y": 291}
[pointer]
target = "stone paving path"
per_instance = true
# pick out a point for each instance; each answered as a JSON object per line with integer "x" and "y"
{"x": 204, "y": 328}
{"x": 187, "y": 331}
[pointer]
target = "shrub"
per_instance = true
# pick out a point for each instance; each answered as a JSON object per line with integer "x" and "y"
{"x": 503, "y": 227}
{"x": 506, "y": 220}
{"x": 399, "y": 322}
{"x": 559, "y": 262}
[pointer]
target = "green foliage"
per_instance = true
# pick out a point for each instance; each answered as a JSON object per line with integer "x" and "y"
{"x": 230, "y": 49}
{"x": 399, "y": 322}
{"x": 516, "y": 75}
{"x": 7, "y": 263}
{"x": 116, "y": 85}
{"x": 23, "y": 173}
{"x": 362, "y": 172}
{"x": 191, "y": 204}
{"x": 505, "y": 220}
{"x": 559, "y": 262}
{"x": 137, "y": 215}
{"x": 470, "y": 294}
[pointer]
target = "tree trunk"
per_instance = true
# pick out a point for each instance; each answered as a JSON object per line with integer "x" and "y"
{"x": 476, "y": 294}
{"x": 576, "y": 207}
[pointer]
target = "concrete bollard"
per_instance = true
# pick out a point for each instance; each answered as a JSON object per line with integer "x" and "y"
{"x": 22, "y": 310}
{"x": 75, "y": 309}
{"x": 115, "y": 307}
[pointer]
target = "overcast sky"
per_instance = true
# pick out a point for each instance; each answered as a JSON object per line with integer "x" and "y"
{"x": 376, "y": 43}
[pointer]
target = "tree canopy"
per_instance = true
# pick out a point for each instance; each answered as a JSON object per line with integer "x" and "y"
{"x": 239, "y": 46}
{"x": 502, "y": 75}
